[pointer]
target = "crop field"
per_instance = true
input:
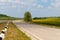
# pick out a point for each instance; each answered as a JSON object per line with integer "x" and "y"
{"x": 48, "y": 21}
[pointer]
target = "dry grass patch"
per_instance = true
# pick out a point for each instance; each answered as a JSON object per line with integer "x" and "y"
{"x": 14, "y": 33}
{"x": 2, "y": 25}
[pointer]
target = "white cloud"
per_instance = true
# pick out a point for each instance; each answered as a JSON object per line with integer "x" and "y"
{"x": 55, "y": 4}
{"x": 3, "y": 0}
{"x": 10, "y": 1}
{"x": 2, "y": 3}
{"x": 17, "y": 1}
{"x": 13, "y": 6}
{"x": 7, "y": 0}
{"x": 34, "y": 4}
{"x": 39, "y": 6}
{"x": 45, "y": 1}
{"x": 2, "y": 8}
{"x": 22, "y": 3}
{"x": 49, "y": 7}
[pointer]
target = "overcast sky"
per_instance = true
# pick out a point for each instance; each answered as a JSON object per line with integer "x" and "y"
{"x": 38, "y": 8}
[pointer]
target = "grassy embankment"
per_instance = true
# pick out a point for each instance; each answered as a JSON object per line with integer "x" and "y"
{"x": 14, "y": 33}
{"x": 48, "y": 21}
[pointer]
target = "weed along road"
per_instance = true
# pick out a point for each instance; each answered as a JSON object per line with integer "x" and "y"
{"x": 39, "y": 32}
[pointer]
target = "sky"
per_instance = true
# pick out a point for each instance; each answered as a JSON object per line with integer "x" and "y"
{"x": 38, "y": 8}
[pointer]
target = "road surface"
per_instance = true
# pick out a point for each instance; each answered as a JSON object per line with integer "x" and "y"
{"x": 39, "y": 32}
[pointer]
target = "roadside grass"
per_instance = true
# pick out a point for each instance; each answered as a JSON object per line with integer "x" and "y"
{"x": 14, "y": 33}
{"x": 2, "y": 25}
{"x": 48, "y": 21}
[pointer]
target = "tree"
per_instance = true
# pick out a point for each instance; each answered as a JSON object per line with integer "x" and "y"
{"x": 27, "y": 17}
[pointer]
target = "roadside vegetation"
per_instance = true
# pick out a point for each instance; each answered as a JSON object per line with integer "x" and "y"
{"x": 2, "y": 26}
{"x": 13, "y": 32}
{"x": 5, "y": 17}
{"x": 55, "y": 21}
{"x": 27, "y": 17}
{"x": 47, "y": 21}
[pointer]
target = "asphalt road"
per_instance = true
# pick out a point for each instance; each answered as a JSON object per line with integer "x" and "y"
{"x": 39, "y": 32}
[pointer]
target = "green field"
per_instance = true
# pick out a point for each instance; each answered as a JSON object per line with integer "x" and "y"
{"x": 48, "y": 21}
{"x": 13, "y": 32}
